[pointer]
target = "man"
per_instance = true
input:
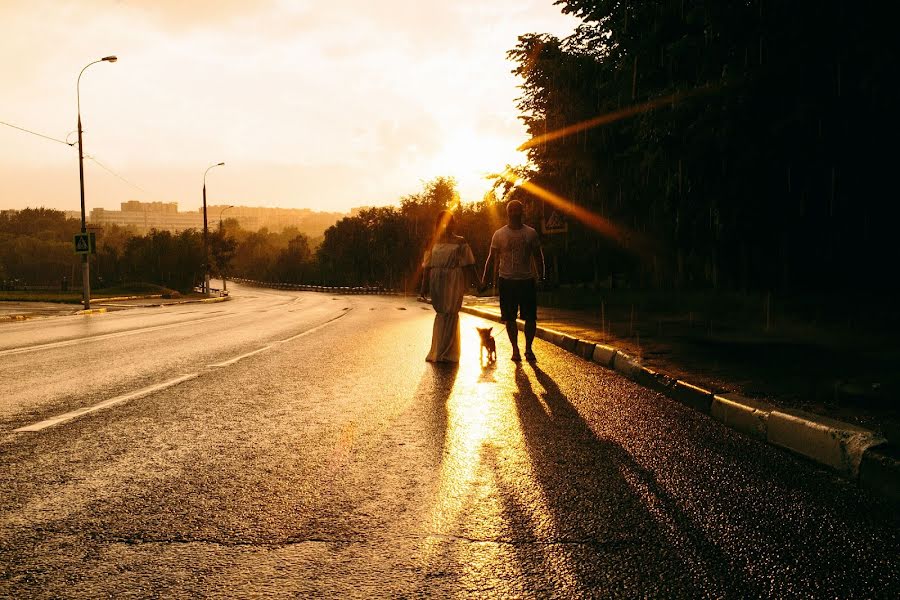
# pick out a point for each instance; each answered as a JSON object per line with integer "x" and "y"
{"x": 517, "y": 246}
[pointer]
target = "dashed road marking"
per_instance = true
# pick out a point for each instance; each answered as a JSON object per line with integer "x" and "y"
{"x": 105, "y": 404}
{"x": 316, "y": 328}
{"x": 231, "y": 361}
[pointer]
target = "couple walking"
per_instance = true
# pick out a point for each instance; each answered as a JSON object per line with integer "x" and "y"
{"x": 449, "y": 268}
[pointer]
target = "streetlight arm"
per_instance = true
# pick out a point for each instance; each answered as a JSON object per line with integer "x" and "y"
{"x": 78, "y": 85}
{"x": 207, "y": 171}
{"x": 109, "y": 59}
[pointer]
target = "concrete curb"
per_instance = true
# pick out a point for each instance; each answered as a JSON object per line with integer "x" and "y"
{"x": 747, "y": 415}
{"x": 827, "y": 441}
{"x": 91, "y": 311}
{"x": 855, "y": 453}
{"x": 120, "y": 298}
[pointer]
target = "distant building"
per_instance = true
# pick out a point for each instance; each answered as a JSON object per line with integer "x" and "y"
{"x": 144, "y": 216}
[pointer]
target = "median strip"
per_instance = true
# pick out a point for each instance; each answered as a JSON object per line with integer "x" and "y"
{"x": 105, "y": 404}
{"x": 106, "y": 336}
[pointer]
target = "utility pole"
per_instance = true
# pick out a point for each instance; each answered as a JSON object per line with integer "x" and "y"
{"x": 206, "y": 233}
{"x": 85, "y": 258}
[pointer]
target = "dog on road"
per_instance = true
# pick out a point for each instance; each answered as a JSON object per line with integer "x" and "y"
{"x": 487, "y": 343}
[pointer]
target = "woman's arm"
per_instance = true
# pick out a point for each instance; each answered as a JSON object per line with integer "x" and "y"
{"x": 426, "y": 275}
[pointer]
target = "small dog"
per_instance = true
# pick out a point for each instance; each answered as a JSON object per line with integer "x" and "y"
{"x": 487, "y": 343}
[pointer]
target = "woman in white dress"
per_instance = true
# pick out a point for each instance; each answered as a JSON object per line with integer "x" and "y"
{"x": 449, "y": 268}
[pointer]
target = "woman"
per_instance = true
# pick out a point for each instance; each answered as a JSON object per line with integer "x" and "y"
{"x": 449, "y": 268}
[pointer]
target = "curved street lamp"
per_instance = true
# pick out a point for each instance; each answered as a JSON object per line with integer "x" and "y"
{"x": 85, "y": 263}
{"x": 222, "y": 212}
{"x": 206, "y": 232}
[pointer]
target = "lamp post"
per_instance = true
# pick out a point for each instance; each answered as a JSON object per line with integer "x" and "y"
{"x": 206, "y": 232}
{"x": 222, "y": 212}
{"x": 85, "y": 262}
{"x": 222, "y": 232}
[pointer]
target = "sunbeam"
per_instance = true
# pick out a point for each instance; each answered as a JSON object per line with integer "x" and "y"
{"x": 618, "y": 115}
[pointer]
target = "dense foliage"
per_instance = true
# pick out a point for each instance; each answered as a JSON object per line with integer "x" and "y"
{"x": 757, "y": 160}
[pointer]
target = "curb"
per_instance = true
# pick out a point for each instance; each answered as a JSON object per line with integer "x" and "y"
{"x": 91, "y": 311}
{"x": 176, "y": 303}
{"x": 855, "y": 453}
{"x": 120, "y": 298}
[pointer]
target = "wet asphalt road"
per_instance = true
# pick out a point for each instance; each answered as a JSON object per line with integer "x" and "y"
{"x": 337, "y": 463}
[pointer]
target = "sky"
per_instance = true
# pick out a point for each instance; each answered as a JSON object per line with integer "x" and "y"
{"x": 321, "y": 104}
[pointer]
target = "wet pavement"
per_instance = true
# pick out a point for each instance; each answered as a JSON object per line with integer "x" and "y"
{"x": 330, "y": 460}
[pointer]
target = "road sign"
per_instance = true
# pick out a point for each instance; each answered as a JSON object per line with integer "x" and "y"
{"x": 82, "y": 243}
{"x": 85, "y": 243}
{"x": 555, "y": 223}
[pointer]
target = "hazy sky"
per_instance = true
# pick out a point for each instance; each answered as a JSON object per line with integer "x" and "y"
{"x": 325, "y": 104}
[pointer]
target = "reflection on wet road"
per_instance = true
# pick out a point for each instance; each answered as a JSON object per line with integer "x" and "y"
{"x": 339, "y": 463}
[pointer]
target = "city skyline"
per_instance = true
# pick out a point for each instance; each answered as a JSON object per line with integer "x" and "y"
{"x": 310, "y": 106}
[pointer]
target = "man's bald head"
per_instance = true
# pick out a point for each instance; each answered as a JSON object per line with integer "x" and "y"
{"x": 514, "y": 212}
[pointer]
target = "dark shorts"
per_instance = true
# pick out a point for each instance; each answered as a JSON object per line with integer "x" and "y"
{"x": 518, "y": 296}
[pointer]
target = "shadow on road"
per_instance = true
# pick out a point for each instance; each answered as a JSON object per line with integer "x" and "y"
{"x": 620, "y": 527}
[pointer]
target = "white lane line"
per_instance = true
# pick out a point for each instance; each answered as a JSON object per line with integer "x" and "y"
{"x": 241, "y": 357}
{"x": 314, "y": 329}
{"x": 269, "y": 347}
{"x": 107, "y": 336}
{"x": 105, "y": 404}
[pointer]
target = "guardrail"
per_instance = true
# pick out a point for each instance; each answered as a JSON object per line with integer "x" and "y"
{"x": 325, "y": 289}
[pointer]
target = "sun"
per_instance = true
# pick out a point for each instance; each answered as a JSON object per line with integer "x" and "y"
{"x": 469, "y": 157}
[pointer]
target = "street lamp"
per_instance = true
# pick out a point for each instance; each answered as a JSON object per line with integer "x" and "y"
{"x": 206, "y": 232}
{"x": 222, "y": 212}
{"x": 85, "y": 263}
{"x": 222, "y": 233}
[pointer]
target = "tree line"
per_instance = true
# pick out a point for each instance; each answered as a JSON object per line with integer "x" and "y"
{"x": 688, "y": 144}
{"x": 734, "y": 145}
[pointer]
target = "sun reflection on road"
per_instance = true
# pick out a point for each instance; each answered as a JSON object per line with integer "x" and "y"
{"x": 489, "y": 503}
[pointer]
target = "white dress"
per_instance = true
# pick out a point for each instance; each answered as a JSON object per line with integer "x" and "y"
{"x": 447, "y": 283}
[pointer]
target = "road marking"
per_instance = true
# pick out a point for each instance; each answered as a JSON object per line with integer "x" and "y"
{"x": 231, "y": 361}
{"x": 106, "y": 336}
{"x": 241, "y": 357}
{"x": 316, "y": 328}
{"x": 105, "y": 404}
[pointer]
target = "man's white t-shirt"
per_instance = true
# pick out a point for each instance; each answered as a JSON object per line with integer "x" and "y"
{"x": 515, "y": 248}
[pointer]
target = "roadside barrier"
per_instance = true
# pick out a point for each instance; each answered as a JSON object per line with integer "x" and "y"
{"x": 325, "y": 289}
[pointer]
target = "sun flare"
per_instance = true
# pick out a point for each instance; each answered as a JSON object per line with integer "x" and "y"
{"x": 470, "y": 157}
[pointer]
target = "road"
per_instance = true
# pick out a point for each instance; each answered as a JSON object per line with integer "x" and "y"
{"x": 298, "y": 445}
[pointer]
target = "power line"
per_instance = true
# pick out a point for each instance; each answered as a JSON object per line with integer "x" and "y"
{"x": 114, "y": 174}
{"x": 100, "y": 164}
{"x": 46, "y": 137}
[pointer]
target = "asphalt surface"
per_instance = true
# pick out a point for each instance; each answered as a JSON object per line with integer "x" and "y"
{"x": 332, "y": 460}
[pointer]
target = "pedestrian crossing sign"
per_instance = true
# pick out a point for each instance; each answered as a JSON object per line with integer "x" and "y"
{"x": 85, "y": 243}
{"x": 555, "y": 223}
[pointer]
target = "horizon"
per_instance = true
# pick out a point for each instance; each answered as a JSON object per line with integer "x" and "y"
{"x": 310, "y": 106}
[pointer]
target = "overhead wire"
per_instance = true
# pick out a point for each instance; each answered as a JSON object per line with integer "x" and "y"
{"x": 71, "y": 145}
{"x": 46, "y": 137}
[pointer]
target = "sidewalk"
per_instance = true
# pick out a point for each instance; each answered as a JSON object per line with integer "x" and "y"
{"x": 790, "y": 370}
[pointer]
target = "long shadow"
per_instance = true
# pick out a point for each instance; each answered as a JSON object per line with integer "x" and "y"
{"x": 620, "y": 528}
{"x": 437, "y": 384}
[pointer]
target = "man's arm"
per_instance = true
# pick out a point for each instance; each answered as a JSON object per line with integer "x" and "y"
{"x": 487, "y": 263}
{"x": 539, "y": 258}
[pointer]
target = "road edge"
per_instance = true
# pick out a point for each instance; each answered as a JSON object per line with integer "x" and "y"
{"x": 853, "y": 452}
